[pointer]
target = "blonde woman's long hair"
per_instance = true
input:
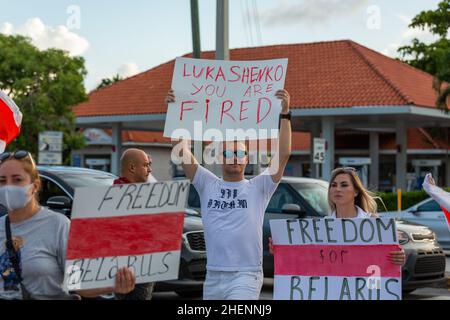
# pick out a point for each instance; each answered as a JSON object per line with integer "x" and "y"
{"x": 364, "y": 199}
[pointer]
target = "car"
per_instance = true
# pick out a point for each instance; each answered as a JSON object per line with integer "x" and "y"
{"x": 57, "y": 193}
{"x": 3, "y": 210}
{"x": 307, "y": 198}
{"x": 427, "y": 213}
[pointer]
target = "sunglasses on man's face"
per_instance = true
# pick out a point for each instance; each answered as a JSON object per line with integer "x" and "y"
{"x": 16, "y": 155}
{"x": 238, "y": 153}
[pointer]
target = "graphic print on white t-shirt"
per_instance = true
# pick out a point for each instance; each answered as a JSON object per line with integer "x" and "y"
{"x": 233, "y": 216}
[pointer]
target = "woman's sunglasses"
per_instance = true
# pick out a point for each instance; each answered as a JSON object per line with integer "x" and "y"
{"x": 18, "y": 155}
{"x": 238, "y": 153}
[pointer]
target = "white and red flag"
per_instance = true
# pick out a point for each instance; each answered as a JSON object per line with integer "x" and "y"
{"x": 335, "y": 259}
{"x": 10, "y": 120}
{"x": 440, "y": 196}
{"x": 138, "y": 226}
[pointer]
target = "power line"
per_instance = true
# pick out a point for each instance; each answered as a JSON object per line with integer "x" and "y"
{"x": 245, "y": 21}
{"x": 249, "y": 21}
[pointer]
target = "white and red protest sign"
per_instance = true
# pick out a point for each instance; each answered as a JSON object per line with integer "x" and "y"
{"x": 214, "y": 96}
{"x": 335, "y": 259}
{"x": 138, "y": 226}
{"x": 10, "y": 120}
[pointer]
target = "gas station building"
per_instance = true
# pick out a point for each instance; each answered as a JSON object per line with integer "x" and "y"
{"x": 374, "y": 112}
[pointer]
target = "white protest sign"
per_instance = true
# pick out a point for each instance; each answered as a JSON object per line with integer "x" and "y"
{"x": 131, "y": 225}
{"x": 225, "y": 100}
{"x": 335, "y": 259}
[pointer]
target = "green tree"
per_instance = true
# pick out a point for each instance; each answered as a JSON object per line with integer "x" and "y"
{"x": 433, "y": 58}
{"x": 106, "y": 82}
{"x": 45, "y": 85}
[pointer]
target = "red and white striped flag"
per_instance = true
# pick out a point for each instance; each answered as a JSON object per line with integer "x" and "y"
{"x": 439, "y": 195}
{"x": 10, "y": 120}
{"x": 335, "y": 259}
{"x": 447, "y": 217}
{"x": 132, "y": 225}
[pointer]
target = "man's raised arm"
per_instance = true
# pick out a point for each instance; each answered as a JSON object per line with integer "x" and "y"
{"x": 281, "y": 158}
{"x": 181, "y": 149}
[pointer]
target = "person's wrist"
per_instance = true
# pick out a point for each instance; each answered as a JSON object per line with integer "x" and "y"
{"x": 285, "y": 115}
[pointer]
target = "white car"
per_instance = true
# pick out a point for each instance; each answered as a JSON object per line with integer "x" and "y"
{"x": 427, "y": 213}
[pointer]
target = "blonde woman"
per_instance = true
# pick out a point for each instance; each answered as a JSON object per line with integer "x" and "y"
{"x": 349, "y": 199}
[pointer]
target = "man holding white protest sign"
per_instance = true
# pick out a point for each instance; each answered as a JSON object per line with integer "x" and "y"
{"x": 233, "y": 207}
{"x": 135, "y": 167}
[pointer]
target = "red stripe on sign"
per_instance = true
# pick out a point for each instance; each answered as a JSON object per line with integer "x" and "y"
{"x": 125, "y": 235}
{"x": 335, "y": 260}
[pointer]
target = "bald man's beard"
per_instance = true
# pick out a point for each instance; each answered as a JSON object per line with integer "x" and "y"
{"x": 140, "y": 178}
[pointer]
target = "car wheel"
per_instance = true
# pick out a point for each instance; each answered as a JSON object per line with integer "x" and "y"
{"x": 189, "y": 294}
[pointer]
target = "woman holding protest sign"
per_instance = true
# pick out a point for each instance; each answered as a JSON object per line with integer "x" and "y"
{"x": 33, "y": 240}
{"x": 348, "y": 199}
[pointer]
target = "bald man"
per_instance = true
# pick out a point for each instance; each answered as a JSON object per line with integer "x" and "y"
{"x": 135, "y": 167}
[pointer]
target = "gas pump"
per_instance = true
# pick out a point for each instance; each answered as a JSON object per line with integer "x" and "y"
{"x": 422, "y": 167}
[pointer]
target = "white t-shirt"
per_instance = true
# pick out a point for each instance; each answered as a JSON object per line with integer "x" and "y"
{"x": 233, "y": 216}
{"x": 361, "y": 214}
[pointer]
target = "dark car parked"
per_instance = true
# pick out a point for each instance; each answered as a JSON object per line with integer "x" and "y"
{"x": 58, "y": 190}
{"x": 307, "y": 198}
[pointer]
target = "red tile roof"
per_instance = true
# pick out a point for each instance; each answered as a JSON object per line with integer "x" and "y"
{"x": 418, "y": 139}
{"x": 142, "y": 136}
{"x": 320, "y": 75}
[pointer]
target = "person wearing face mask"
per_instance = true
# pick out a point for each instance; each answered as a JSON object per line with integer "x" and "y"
{"x": 33, "y": 239}
{"x": 348, "y": 199}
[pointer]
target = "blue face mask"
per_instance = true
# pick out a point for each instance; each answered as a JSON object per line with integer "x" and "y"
{"x": 14, "y": 197}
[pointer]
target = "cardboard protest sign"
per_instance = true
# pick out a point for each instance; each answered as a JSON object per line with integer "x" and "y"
{"x": 214, "y": 96}
{"x": 335, "y": 259}
{"x": 131, "y": 225}
{"x": 10, "y": 121}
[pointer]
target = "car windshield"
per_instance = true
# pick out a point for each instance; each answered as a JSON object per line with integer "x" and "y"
{"x": 315, "y": 194}
{"x": 87, "y": 179}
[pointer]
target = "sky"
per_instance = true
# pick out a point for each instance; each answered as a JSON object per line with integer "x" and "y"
{"x": 128, "y": 37}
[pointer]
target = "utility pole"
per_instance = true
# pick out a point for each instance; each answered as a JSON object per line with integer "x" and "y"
{"x": 196, "y": 53}
{"x": 196, "y": 47}
{"x": 222, "y": 33}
